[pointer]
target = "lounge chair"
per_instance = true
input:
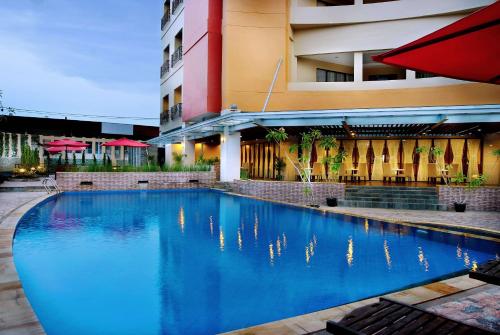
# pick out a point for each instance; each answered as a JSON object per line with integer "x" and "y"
{"x": 432, "y": 173}
{"x": 392, "y": 317}
{"x": 318, "y": 171}
{"x": 488, "y": 272}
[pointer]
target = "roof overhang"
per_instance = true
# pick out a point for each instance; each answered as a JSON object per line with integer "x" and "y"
{"x": 238, "y": 121}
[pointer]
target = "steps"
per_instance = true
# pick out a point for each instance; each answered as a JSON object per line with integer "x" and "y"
{"x": 394, "y": 197}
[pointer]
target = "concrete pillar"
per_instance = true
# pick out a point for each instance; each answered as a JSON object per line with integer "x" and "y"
{"x": 358, "y": 2}
{"x": 358, "y": 67}
{"x": 168, "y": 154}
{"x": 230, "y": 156}
{"x": 410, "y": 75}
{"x": 188, "y": 151}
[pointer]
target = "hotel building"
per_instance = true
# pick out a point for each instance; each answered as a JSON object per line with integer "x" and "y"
{"x": 234, "y": 68}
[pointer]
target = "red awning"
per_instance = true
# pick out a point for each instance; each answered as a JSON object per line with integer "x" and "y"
{"x": 125, "y": 142}
{"x": 468, "y": 49}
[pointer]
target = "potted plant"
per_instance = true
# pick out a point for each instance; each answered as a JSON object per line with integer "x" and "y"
{"x": 279, "y": 165}
{"x": 476, "y": 181}
{"x": 334, "y": 163}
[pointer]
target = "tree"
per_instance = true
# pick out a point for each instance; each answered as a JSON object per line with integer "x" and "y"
{"x": 303, "y": 164}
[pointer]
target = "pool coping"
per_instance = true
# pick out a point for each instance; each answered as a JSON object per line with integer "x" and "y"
{"x": 16, "y": 313}
{"x": 21, "y": 318}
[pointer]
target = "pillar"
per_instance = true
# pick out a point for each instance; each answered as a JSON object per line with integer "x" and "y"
{"x": 188, "y": 151}
{"x": 358, "y": 2}
{"x": 358, "y": 67}
{"x": 168, "y": 154}
{"x": 230, "y": 156}
{"x": 410, "y": 75}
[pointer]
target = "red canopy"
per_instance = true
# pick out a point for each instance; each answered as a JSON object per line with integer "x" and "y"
{"x": 125, "y": 142}
{"x": 54, "y": 150}
{"x": 468, "y": 49}
{"x": 66, "y": 143}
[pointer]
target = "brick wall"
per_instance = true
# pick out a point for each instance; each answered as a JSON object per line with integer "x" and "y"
{"x": 288, "y": 191}
{"x": 479, "y": 199}
{"x": 71, "y": 181}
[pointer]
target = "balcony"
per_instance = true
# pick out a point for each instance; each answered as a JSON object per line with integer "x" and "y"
{"x": 164, "y": 117}
{"x": 165, "y": 20}
{"x": 165, "y": 68}
{"x": 176, "y": 111}
{"x": 177, "y": 56}
{"x": 176, "y": 4}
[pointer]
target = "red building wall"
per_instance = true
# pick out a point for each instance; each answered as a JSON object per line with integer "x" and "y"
{"x": 202, "y": 45}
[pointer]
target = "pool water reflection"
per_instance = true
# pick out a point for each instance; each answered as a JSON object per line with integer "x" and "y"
{"x": 202, "y": 262}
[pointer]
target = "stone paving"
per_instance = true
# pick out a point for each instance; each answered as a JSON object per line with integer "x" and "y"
{"x": 16, "y": 315}
{"x": 487, "y": 221}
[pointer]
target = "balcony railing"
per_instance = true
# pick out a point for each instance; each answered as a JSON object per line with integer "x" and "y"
{"x": 176, "y": 111}
{"x": 165, "y": 68}
{"x": 176, "y": 4}
{"x": 164, "y": 117}
{"x": 177, "y": 56}
{"x": 165, "y": 19}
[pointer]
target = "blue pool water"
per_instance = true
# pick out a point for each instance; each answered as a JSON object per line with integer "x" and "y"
{"x": 202, "y": 262}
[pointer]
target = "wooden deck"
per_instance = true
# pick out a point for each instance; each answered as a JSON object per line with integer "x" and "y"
{"x": 488, "y": 272}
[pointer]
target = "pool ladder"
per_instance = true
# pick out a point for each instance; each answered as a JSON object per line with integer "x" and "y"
{"x": 50, "y": 185}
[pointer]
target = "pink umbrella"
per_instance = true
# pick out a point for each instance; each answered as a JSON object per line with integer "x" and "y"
{"x": 66, "y": 143}
{"x": 55, "y": 150}
{"x": 125, "y": 142}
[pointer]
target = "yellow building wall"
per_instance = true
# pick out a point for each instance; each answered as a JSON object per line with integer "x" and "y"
{"x": 490, "y": 161}
{"x": 256, "y": 34}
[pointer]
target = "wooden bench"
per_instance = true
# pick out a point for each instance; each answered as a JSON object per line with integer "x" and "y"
{"x": 488, "y": 272}
{"x": 392, "y": 317}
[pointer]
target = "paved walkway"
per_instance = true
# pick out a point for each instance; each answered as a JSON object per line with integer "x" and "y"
{"x": 477, "y": 220}
{"x": 16, "y": 315}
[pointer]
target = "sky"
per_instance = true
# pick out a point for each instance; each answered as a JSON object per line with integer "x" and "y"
{"x": 84, "y": 57}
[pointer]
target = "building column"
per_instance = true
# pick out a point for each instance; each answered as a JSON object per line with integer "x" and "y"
{"x": 188, "y": 151}
{"x": 358, "y": 2}
{"x": 168, "y": 154}
{"x": 410, "y": 75}
{"x": 230, "y": 151}
{"x": 358, "y": 67}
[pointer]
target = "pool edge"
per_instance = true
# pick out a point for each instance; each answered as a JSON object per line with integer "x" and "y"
{"x": 20, "y": 317}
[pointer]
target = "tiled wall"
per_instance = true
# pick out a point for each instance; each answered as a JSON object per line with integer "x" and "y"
{"x": 479, "y": 199}
{"x": 71, "y": 181}
{"x": 288, "y": 191}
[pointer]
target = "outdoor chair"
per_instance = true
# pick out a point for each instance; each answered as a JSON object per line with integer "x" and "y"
{"x": 433, "y": 173}
{"x": 408, "y": 172}
{"x": 387, "y": 171}
{"x": 343, "y": 172}
{"x": 318, "y": 171}
{"x": 452, "y": 172}
{"x": 362, "y": 171}
{"x": 393, "y": 317}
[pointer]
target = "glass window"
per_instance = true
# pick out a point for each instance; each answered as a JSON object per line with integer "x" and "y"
{"x": 332, "y": 76}
{"x": 320, "y": 75}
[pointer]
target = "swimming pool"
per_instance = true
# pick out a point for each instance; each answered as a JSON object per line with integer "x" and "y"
{"x": 202, "y": 262}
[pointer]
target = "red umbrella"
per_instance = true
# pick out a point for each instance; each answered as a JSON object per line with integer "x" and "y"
{"x": 54, "y": 150}
{"x": 66, "y": 143}
{"x": 125, "y": 142}
{"x": 468, "y": 49}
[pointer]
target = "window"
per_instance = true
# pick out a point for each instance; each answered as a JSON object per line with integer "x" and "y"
{"x": 420, "y": 75}
{"x": 377, "y": 77}
{"x": 332, "y": 76}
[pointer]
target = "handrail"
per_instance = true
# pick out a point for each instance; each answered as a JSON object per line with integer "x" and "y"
{"x": 50, "y": 184}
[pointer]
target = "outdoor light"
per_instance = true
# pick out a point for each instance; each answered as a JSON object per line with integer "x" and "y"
{"x": 22, "y": 170}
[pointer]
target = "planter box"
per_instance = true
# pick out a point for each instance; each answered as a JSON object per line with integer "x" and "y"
{"x": 486, "y": 198}
{"x": 84, "y": 181}
{"x": 289, "y": 191}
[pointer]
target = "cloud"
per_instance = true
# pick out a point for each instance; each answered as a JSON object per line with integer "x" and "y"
{"x": 28, "y": 81}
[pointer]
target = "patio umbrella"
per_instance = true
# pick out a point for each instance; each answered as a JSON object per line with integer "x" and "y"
{"x": 55, "y": 150}
{"x": 467, "y": 49}
{"x": 125, "y": 142}
{"x": 66, "y": 143}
